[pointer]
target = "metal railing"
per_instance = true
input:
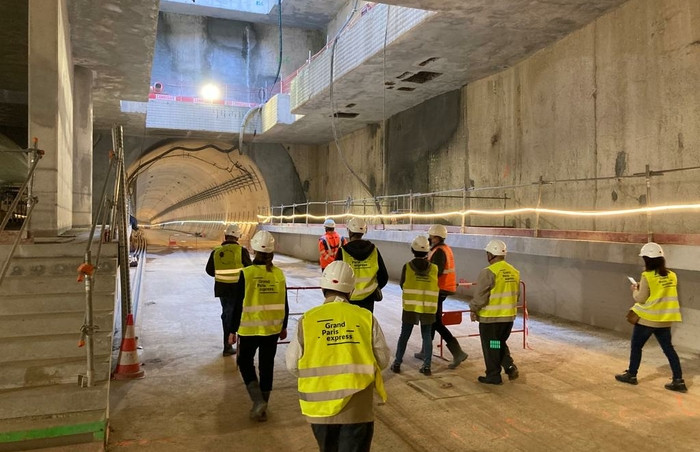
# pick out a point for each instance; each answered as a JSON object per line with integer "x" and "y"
{"x": 35, "y": 154}
{"x": 424, "y": 203}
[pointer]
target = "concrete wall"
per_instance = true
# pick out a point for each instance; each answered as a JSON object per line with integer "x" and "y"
{"x": 575, "y": 280}
{"x": 193, "y": 50}
{"x": 51, "y": 115}
{"x": 602, "y": 102}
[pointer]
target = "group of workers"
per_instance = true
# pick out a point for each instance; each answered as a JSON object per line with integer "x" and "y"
{"x": 339, "y": 349}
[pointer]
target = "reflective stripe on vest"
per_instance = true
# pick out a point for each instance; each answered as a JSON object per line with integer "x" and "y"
{"x": 420, "y": 292}
{"x": 228, "y": 262}
{"x": 328, "y": 246}
{"x": 662, "y": 304}
{"x": 263, "y": 305}
{"x": 338, "y": 359}
{"x": 448, "y": 279}
{"x": 503, "y": 298}
{"x": 365, "y": 274}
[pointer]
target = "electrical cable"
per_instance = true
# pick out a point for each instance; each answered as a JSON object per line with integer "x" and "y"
{"x": 333, "y": 114}
{"x": 279, "y": 64}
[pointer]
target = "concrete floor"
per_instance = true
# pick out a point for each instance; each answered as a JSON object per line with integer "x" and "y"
{"x": 193, "y": 399}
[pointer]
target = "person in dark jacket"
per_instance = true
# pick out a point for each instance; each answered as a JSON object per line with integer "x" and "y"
{"x": 367, "y": 263}
{"x": 225, "y": 264}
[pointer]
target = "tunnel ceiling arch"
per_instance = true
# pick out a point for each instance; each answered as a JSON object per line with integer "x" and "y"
{"x": 196, "y": 181}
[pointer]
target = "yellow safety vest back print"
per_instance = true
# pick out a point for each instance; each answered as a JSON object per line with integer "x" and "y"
{"x": 503, "y": 298}
{"x": 662, "y": 304}
{"x": 263, "y": 305}
{"x": 338, "y": 359}
{"x": 228, "y": 262}
{"x": 365, "y": 274}
{"x": 420, "y": 291}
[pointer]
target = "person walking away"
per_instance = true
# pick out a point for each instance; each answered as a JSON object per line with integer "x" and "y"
{"x": 224, "y": 264}
{"x": 260, "y": 320}
{"x": 367, "y": 264}
{"x": 329, "y": 243}
{"x": 655, "y": 309}
{"x": 494, "y": 306}
{"x": 338, "y": 354}
{"x": 441, "y": 255}
{"x": 419, "y": 281}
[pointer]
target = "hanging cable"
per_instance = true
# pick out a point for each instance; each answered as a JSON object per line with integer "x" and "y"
{"x": 279, "y": 63}
{"x": 333, "y": 114}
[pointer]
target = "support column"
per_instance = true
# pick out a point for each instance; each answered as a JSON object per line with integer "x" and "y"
{"x": 82, "y": 154}
{"x": 51, "y": 115}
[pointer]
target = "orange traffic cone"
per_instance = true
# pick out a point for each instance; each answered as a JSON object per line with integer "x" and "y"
{"x": 128, "y": 366}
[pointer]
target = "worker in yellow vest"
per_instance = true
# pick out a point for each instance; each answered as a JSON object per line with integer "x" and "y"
{"x": 224, "y": 264}
{"x": 656, "y": 308}
{"x": 494, "y": 306}
{"x": 367, "y": 263}
{"x": 419, "y": 281}
{"x": 260, "y": 321}
{"x": 441, "y": 255}
{"x": 338, "y": 354}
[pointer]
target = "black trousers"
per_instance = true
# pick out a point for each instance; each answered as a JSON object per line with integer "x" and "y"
{"x": 438, "y": 325}
{"x": 226, "y": 316}
{"x": 344, "y": 437}
{"x": 495, "y": 349}
{"x": 247, "y": 346}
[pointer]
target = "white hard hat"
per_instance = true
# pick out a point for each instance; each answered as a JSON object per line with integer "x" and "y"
{"x": 496, "y": 247}
{"x": 357, "y": 225}
{"x": 420, "y": 243}
{"x": 263, "y": 242}
{"x": 338, "y": 276}
{"x": 438, "y": 230}
{"x": 233, "y": 230}
{"x": 329, "y": 223}
{"x": 651, "y": 249}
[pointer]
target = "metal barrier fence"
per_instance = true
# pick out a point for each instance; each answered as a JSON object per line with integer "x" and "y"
{"x": 455, "y": 318}
{"x": 297, "y": 314}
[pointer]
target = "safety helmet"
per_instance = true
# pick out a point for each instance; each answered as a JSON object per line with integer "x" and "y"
{"x": 233, "y": 230}
{"x": 357, "y": 225}
{"x": 438, "y": 230}
{"x": 420, "y": 244}
{"x": 329, "y": 223}
{"x": 496, "y": 247}
{"x": 263, "y": 242}
{"x": 338, "y": 276}
{"x": 651, "y": 249}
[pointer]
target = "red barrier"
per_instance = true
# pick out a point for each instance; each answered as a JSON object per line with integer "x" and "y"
{"x": 455, "y": 318}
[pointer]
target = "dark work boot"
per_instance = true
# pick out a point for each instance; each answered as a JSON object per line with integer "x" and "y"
{"x": 458, "y": 355}
{"x": 512, "y": 372}
{"x": 229, "y": 350}
{"x": 677, "y": 384}
{"x": 627, "y": 377}
{"x": 396, "y": 367}
{"x": 259, "y": 403}
{"x": 419, "y": 355}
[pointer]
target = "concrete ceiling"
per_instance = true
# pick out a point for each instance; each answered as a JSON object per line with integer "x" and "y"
{"x": 465, "y": 41}
{"x": 295, "y": 13}
{"x": 116, "y": 39}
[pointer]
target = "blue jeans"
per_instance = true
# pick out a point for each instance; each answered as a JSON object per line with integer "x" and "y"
{"x": 425, "y": 332}
{"x": 640, "y": 336}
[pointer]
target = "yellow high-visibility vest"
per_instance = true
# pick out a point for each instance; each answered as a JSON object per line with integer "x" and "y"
{"x": 338, "y": 359}
{"x": 420, "y": 292}
{"x": 264, "y": 302}
{"x": 228, "y": 262}
{"x": 365, "y": 274}
{"x": 503, "y": 298}
{"x": 662, "y": 304}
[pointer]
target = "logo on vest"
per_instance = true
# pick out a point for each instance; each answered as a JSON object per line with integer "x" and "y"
{"x": 338, "y": 333}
